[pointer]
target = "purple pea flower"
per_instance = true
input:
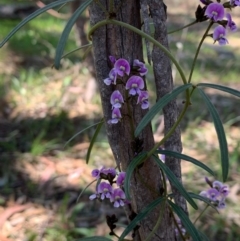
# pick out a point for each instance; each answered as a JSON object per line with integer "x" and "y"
{"x": 213, "y": 194}
{"x": 219, "y": 34}
{"x": 141, "y": 67}
{"x": 217, "y": 185}
{"x": 112, "y": 59}
{"x": 143, "y": 99}
{"x": 112, "y": 79}
{"x": 235, "y": 2}
{"x": 110, "y": 171}
{"x": 116, "y": 116}
{"x": 122, "y": 67}
{"x": 116, "y": 99}
{"x": 221, "y": 204}
{"x": 224, "y": 191}
{"x": 205, "y": 2}
{"x": 118, "y": 197}
{"x": 96, "y": 173}
{"x": 120, "y": 178}
{"x": 230, "y": 24}
{"x": 104, "y": 189}
{"x": 215, "y": 11}
{"x": 135, "y": 84}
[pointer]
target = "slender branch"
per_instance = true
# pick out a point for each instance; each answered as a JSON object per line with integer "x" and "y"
{"x": 200, "y": 215}
{"x": 144, "y": 35}
{"x": 186, "y": 26}
{"x": 158, "y": 221}
{"x": 198, "y": 50}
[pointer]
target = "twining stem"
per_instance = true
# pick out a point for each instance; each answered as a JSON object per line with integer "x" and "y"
{"x": 85, "y": 189}
{"x": 130, "y": 114}
{"x": 144, "y": 35}
{"x": 186, "y": 26}
{"x": 156, "y": 146}
{"x": 158, "y": 221}
{"x": 200, "y": 215}
{"x": 198, "y": 50}
{"x": 176, "y": 224}
{"x": 81, "y": 47}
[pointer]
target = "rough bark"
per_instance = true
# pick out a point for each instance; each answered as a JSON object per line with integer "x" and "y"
{"x": 120, "y": 42}
{"x": 164, "y": 84}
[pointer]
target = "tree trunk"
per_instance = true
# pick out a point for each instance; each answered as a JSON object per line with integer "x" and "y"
{"x": 122, "y": 43}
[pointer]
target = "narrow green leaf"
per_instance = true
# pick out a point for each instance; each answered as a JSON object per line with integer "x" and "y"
{"x": 172, "y": 178}
{"x": 220, "y": 134}
{"x": 188, "y": 225}
{"x": 81, "y": 132}
{"x": 133, "y": 164}
{"x": 141, "y": 216}
{"x": 204, "y": 199}
{"x": 66, "y": 31}
{"x": 93, "y": 140}
{"x": 222, "y": 88}
{"x": 32, "y": 16}
{"x": 95, "y": 238}
{"x": 186, "y": 158}
{"x": 158, "y": 107}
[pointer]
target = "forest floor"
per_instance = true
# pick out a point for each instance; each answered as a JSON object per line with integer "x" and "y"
{"x": 42, "y": 174}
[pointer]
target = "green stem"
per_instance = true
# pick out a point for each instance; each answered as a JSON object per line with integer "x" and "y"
{"x": 176, "y": 224}
{"x": 150, "y": 153}
{"x": 81, "y": 47}
{"x": 186, "y": 26}
{"x": 200, "y": 215}
{"x": 198, "y": 50}
{"x": 85, "y": 189}
{"x": 111, "y": 6}
{"x": 144, "y": 35}
{"x": 157, "y": 223}
{"x": 130, "y": 115}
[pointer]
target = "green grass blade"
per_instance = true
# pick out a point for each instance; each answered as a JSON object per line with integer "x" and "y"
{"x": 32, "y": 16}
{"x": 66, "y": 32}
{"x": 186, "y": 158}
{"x": 220, "y": 134}
{"x": 188, "y": 225}
{"x": 133, "y": 164}
{"x": 158, "y": 107}
{"x": 81, "y": 132}
{"x": 95, "y": 238}
{"x": 141, "y": 216}
{"x": 222, "y": 88}
{"x": 174, "y": 181}
{"x": 93, "y": 140}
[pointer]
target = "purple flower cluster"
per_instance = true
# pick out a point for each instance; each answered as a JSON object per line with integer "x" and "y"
{"x": 216, "y": 12}
{"x": 217, "y": 193}
{"x": 112, "y": 188}
{"x": 135, "y": 85}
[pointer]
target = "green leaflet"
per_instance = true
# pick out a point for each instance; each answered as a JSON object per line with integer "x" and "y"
{"x": 172, "y": 178}
{"x": 32, "y": 16}
{"x": 186, "y": 221}
{"x": 222, "y": 88}
{"x": 66, "y": 31}
{"x": 186, "y": 158}
{"x": 141, "y": 216}
{"x": 159, "y": 105}
{"x": 133, "y": 164}
{"x": 93, "y": 140}
{"x": 220, "y": 134}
